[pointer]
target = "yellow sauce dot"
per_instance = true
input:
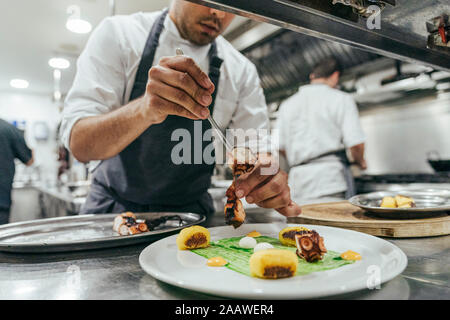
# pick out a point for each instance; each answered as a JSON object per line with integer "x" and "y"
{"x": 254, "y": 234}
{"x": 351, "y": 255}
{"x": 217, "y": 262}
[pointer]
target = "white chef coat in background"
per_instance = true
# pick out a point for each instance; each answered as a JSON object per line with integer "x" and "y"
{"x": 316, "y": 120}
{"x": 107, "y": 68}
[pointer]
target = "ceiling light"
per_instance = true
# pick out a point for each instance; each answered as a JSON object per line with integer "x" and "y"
{"x": 57, "y": 74}
{"x": 59, "y": 63}
{"x": 57, "y": 95}
{"x": 19, "y": 84}
{"x": 78, "y": 25}
{"x": 75, "y": 23}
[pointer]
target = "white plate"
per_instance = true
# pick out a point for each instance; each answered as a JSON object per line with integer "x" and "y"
{"x": 380, "y": 260}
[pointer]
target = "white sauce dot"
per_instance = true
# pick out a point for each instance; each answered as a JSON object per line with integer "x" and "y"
{"x": 247, "y": 242}
{"x": 262, "y": 246}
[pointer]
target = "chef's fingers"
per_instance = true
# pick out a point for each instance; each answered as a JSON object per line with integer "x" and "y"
{"x": 183, "y": 81}
{"x": 186, "y": 64}
{"x": 292, "y": 210}
{"x": 166, "y": 107}
{"x": 178, "y": 97}
{"x": 264, "y": 170}
{"x": 279, "y": 201}
{"x": 277, "y": 186}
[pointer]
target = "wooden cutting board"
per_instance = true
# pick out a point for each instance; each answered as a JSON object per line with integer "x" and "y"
{"x": 345, "y": 215}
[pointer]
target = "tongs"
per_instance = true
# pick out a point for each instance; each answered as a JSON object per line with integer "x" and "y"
{"x": 214, "y": 124}
{"x": 229, "y": 147}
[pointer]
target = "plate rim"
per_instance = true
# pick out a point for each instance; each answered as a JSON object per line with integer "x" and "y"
{"x": 403, "y": 263}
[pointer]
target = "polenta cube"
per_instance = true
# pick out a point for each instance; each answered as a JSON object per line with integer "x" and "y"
{"x": 193, "y": 238}
{"x": 273, "y": 264}
{"x": 388, "y": 202}
{"x": 287, "y": 235}
{"x": 404, "y": 202}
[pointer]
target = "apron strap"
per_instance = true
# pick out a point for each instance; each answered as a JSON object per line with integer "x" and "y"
{"x": 348, "y": 176}
{"x": 341, "y": 154}
{"x": 148, "y": 55}
{"x": 214, "y": 72}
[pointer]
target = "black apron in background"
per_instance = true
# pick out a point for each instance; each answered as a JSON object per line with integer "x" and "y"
{"x": 143, "y": 178}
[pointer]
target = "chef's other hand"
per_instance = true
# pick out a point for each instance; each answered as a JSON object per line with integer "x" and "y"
{"x": 267, "y": 186}
{"x": 177, "y": 86}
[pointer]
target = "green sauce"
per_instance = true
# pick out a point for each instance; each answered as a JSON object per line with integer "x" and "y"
{"x": 238, "y": 258}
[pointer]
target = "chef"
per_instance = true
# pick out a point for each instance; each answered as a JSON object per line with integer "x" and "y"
{"x": 316, "y": 127}
{"x": 131, "y": 92}
{"x": 12, "y": 146}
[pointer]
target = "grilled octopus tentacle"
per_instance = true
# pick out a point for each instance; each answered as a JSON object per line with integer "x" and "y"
{"x": 234, "y": 210}
{"x": 310, "y": 245}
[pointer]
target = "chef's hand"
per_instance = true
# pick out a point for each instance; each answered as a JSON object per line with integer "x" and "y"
{"x": 267, "y": 186}
{"x": 363, "y": 164}
{"x": 177, "y": 86}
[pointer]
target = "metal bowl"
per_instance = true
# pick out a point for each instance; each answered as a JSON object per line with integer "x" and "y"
{"x": 429, "y": 202}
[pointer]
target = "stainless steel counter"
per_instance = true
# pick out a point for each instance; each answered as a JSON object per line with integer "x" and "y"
{"x": 59, "y": 201}
{"x": 116, "y": 274}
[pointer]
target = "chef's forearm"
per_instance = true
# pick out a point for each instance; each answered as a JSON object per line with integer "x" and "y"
{"x": 358, "y": 155}
{"x": 104, "y": 136}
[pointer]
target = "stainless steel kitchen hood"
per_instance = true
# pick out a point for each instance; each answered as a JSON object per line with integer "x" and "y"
{"x": 403, "y": 34}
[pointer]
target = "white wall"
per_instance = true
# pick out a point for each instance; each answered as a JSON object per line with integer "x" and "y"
{"x": 32, "y": 108}
{"x": 399, "y": 137}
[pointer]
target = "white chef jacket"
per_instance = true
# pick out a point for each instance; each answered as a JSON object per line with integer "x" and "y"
{"x": 316, "y": 120}
{"x": 107, "y": 68}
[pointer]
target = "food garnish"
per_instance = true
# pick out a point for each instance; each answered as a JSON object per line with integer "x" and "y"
{"x": 254, "y": 234}
{"x": 398, "y": 201}
{"x": 247, "y": 243}
{"x": 310, "y": 245}
{"x": 127, "y": 224}
{"x": 242, "y": 162}
{"x": 350, "y": 255}
{"x": 262, "y": 246}
{"x": 216, "y": 262}
{"x": 404, "y": 202}
{"x": 154, "y": 223}
{"x": 193, "y": 238}
{"x": 239, "y": 259}
{"x": 234, "y": 210}
{"x": 273, "y": 264}
{"x": 388, "y": 202}
{"x": 287, "y": 235}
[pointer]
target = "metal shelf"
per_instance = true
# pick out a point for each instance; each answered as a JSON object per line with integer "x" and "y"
{"x": 402, "y": 35}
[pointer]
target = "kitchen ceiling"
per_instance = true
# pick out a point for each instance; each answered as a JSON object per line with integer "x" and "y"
{"x": 285, "y": 60}
{"x": 37, "y": 33}
{"x": 34, "y": 31}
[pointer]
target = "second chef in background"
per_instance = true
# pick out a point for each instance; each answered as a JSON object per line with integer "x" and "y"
{"x": 316, "y": 126}
{"x": 131, "y": 93}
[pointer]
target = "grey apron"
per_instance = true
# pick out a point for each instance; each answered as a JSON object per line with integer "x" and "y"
{"x": 143, "y": 178}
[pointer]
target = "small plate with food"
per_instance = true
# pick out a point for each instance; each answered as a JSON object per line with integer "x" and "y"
{"x": 266, "y": 261}
{"x": 404, "y": 204}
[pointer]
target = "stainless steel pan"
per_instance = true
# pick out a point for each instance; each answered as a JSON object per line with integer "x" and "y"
{"x": 84, "y": 232}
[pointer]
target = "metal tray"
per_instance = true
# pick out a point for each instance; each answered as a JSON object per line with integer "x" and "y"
{"x": 83, "y": 232}
{"x": 428, "y": 202}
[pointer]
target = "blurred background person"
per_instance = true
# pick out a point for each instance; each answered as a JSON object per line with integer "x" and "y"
{"x": 317, "y": 125}
{"x": 12, "y": 146}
